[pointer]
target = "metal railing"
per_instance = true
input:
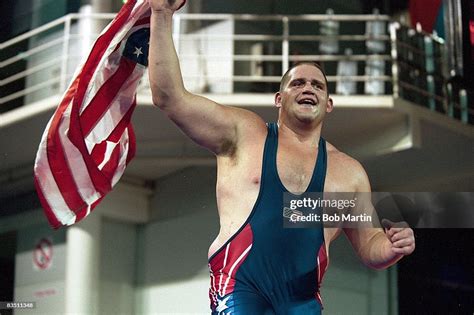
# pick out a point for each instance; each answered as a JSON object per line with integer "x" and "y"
{"x": 227, "y": 53}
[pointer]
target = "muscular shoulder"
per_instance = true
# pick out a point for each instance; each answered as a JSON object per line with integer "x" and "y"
{"x": 347, "y": 173}
{"x": 249, "y": 122}
{"x": 249, "y": 128}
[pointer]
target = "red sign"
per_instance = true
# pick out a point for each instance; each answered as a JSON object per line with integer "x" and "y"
{"x": 43, "y": 254}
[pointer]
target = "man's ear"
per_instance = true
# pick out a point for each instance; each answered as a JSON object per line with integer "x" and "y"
{"x": 330, "y": 105}
{"x": 278, "y": 99}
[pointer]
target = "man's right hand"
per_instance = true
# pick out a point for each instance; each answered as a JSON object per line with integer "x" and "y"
{"x": 166, "y": 5}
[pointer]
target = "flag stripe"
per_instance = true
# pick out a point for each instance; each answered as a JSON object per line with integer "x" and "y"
{"x": 118, "y": 164}
{"x": 51, "y": 201}
{"x": 99, "y": 150}
{"x": 119, "y": 107}
{"x": 100, "y": 46}
{"x": 73, "y": 172}
{"x": 58, "y": 165}
{"x": 131, "y": 141}
{"x": 112, "y": 162}
{"x": 114, "y": 54}
{"x": 109, "y": 68}
{"x": 99, "y": 181}
{"x": 122, "y": 163}
{"x": 50, "y": 215}
{"x": 93, "y": 113}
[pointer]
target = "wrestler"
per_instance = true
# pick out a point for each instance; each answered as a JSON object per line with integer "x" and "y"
{"x": 256, "y": 265}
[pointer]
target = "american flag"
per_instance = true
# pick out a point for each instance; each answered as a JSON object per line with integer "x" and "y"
{"x": 89, "y": 140}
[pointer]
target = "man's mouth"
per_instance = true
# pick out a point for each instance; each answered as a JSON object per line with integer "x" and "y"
{"x": 307, "y": 101}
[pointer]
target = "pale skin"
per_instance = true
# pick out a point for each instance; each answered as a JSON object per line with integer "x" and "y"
{"x": 237, "y": 136}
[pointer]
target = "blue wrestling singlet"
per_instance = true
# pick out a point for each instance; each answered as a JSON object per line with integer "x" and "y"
{"x": 265, "y": 268}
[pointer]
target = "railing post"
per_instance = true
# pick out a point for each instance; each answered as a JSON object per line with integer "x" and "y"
{"x": 393, "y": 40}
{"x": 445, "y": 73}
{"x": 285, "y": 49}
{"x": 430, "y": 71}
{"x": 450, "y": 100}
{"x": 464, "y": 107}
{"x": 65, "y": 53}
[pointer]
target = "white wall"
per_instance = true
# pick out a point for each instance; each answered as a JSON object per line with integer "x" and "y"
{"x": 32, "y": 284}
{"x": 117, "y": 267}
{"x": 172, "y": 273}
{"x": 117, "y": 261}
{"x": 350, "y": 287}
{"x": 81, "y": 37}
{"x": 195, "y": 69}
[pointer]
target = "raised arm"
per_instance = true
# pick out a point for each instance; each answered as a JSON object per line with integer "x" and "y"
{"x": 377, "y": 248}
{"x": 209, "y": 124}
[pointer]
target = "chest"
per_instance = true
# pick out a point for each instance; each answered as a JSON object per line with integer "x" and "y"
{"x": 295, "y": 166}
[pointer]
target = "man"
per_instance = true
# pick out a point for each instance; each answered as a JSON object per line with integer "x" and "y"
{"x": 256, "y": 265}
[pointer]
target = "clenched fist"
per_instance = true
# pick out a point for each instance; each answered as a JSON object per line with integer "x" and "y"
{"x": 166, "y": 5}
{"x": 400, "y": 236}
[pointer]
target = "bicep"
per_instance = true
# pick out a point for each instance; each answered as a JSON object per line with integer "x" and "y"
{"x": 209, "y": 124}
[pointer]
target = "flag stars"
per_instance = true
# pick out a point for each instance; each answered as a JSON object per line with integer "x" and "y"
{"x": 138, "y": 51}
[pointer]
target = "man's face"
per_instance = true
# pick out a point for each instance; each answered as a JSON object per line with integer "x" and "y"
{"x": 304, "y": 97}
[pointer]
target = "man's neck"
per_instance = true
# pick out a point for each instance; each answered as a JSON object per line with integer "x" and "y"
{"x": 302, "y": 133}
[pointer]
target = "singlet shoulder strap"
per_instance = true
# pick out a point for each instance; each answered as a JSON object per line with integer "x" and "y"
{"x": 271, "y": 145}
{"x": 319, "y": 174}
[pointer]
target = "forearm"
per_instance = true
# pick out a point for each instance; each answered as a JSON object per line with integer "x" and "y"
{"x": 164, "y": 72}
{"x": 378, "y": 253}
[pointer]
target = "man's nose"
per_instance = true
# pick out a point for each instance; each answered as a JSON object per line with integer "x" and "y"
{"x": 309, "y": 88}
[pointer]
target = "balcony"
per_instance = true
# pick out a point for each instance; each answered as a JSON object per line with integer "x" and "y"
{"x": 394, "y": 106}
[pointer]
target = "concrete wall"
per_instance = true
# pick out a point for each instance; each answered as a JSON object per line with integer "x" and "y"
{"x": 195, "y": 70}
{"x": 46, "y": 283}
{"x": 172, "y": 273}
{"x": 40, "y": 273}
{"x": 172, "y": 269}
{"x": 80, "y": 39}
{"x": 350, "y": 287}
{"x": 117, "y": 267}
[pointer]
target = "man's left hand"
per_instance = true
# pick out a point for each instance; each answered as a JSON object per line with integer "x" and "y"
{"x": 401, "y": 237}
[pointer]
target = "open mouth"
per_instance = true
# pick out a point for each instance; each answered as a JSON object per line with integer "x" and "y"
{"x": 307, "y": 101}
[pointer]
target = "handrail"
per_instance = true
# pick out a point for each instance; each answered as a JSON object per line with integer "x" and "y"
{"x": 29, "y": 90}
{"x": 291, "y": 57}
{"x": 252, "y": 37}
{"x": 33, "y": 32}
{"x": 29, "y": 71}
{"x": 50, "y": 25}
{"x": 23, "y": 55}
{"x": 287, "y": 37}
{"x": 279, "y": 17}
{"x": 255, "y": 78}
